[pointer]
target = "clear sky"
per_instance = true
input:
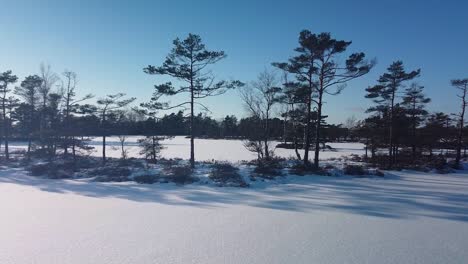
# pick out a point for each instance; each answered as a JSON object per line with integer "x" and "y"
{"x": 107, "y": 43}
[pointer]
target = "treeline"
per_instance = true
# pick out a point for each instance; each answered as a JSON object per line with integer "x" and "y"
{"x": 285, "y": 105}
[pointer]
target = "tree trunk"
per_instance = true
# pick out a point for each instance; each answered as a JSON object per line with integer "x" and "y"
{"x": 5, "y": 131}
{"x": 29, "y": 147}
{"x": 73, "y": 147}
{"x": 460, "y": 131}
{"x": 391, "y": 152}
{"x": 413, "y": 145}
{"x": 298, "y": 155}
{"x": 192, "y": 132}
{"x": 267, "y": 151}
{"x": 365, "y": 148}
{"x": 317, "y": 131}
{"x": 104, "y": 149}
{"x": 42, "y": 124}
{"x": 154, "y": 149}
{"x": 284, "y": 127}
{"x": 307, "y": 128}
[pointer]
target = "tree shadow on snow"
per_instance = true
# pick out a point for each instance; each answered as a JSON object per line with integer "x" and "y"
{"x": 398, "y": 195}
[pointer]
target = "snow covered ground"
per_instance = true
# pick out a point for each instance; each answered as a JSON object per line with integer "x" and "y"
{"x": 206, "y": 149}
{"x": 406, "y": 217}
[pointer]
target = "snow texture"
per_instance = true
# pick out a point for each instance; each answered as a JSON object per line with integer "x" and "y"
{"x": 406, "y": 217}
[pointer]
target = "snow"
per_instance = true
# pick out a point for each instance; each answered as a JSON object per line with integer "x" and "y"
{"x": 207, "y": 149}
{"x": 406, "y": 217}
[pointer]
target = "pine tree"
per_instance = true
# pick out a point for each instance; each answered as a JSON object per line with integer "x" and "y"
{"x": 29, "y": 92}
{"x": 151, "y": 147}
{"x": 317, "y": 66}
{"x": 187, "y": 63}
{"x": 107, "y": 106}
{"x": 436, "y": 132}
{"x": 384, "y": 94}
{"x": 414, "y": 101}
{"x": 6, "y": 78}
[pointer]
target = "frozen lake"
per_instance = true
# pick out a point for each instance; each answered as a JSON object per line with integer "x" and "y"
{"x": 208, "y": 149}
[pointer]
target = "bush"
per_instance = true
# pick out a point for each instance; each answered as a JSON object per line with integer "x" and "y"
{"x": 132, "y": 162}
{"x": 269, "y": 168}
{"x": 179, "y": 174}
{"x": 354, "y": 170}
{"x": 225, "y": 174}
{"x": 300, "y": 169}
{"x": 39, "y": 169}
{"x": 51, "y": 171}
{"x": 146, "y": 178}
{"x": 111, "y": 174}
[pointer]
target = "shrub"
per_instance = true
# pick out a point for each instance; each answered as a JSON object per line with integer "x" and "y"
{"x": 132, "y": 162}
{"x": 354, "y": 170}
{"x": 39, "y": 169}
{"x": 300, "y": 169}
{"x": 51, "y": 171}
{"x": 118, "y": 171}
{"x": 269, "y": 168}
{"x": 111, "y": 174}
{"x": 225, "y": 174}
{"x": 179, "y": 174}
{"x": 146, "y": 178}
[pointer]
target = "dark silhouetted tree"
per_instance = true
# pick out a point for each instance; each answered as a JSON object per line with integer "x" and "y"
{"x": 29, "y": 92}
{"x": 384, "y": 94}
{"x": 414, "y": 101}
{"x": 187, "y": 62}
{"x": 71, "y": 105}
{"x": 318, "y": 66}
{"x": 6, "y": 78}
{"x": 49, "y": 79}
{"x": 462, "y": 85}
{"x": 106, "y": 106}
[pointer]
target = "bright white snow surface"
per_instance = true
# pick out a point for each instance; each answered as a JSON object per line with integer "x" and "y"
{"x": 405, "y": 217}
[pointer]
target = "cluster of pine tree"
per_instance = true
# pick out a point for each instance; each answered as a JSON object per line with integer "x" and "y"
{"x": 400, "y": 121}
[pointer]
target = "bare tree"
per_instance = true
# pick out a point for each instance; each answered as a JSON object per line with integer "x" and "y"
{"x": 49, "y": 79}
{"x": 350, "y": 122}
{"x": 259, "y": 99}
{"x": 123, "y": 151}
{"x": 462, "y": 85}
{"x": 71, "y": 104}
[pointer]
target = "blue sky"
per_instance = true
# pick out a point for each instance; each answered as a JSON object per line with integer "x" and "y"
{"x": 107, "y": 43}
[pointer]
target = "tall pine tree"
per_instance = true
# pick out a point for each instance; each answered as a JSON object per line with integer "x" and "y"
{"x": 384, "y": 94}
{"x": 187, "y": 62}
